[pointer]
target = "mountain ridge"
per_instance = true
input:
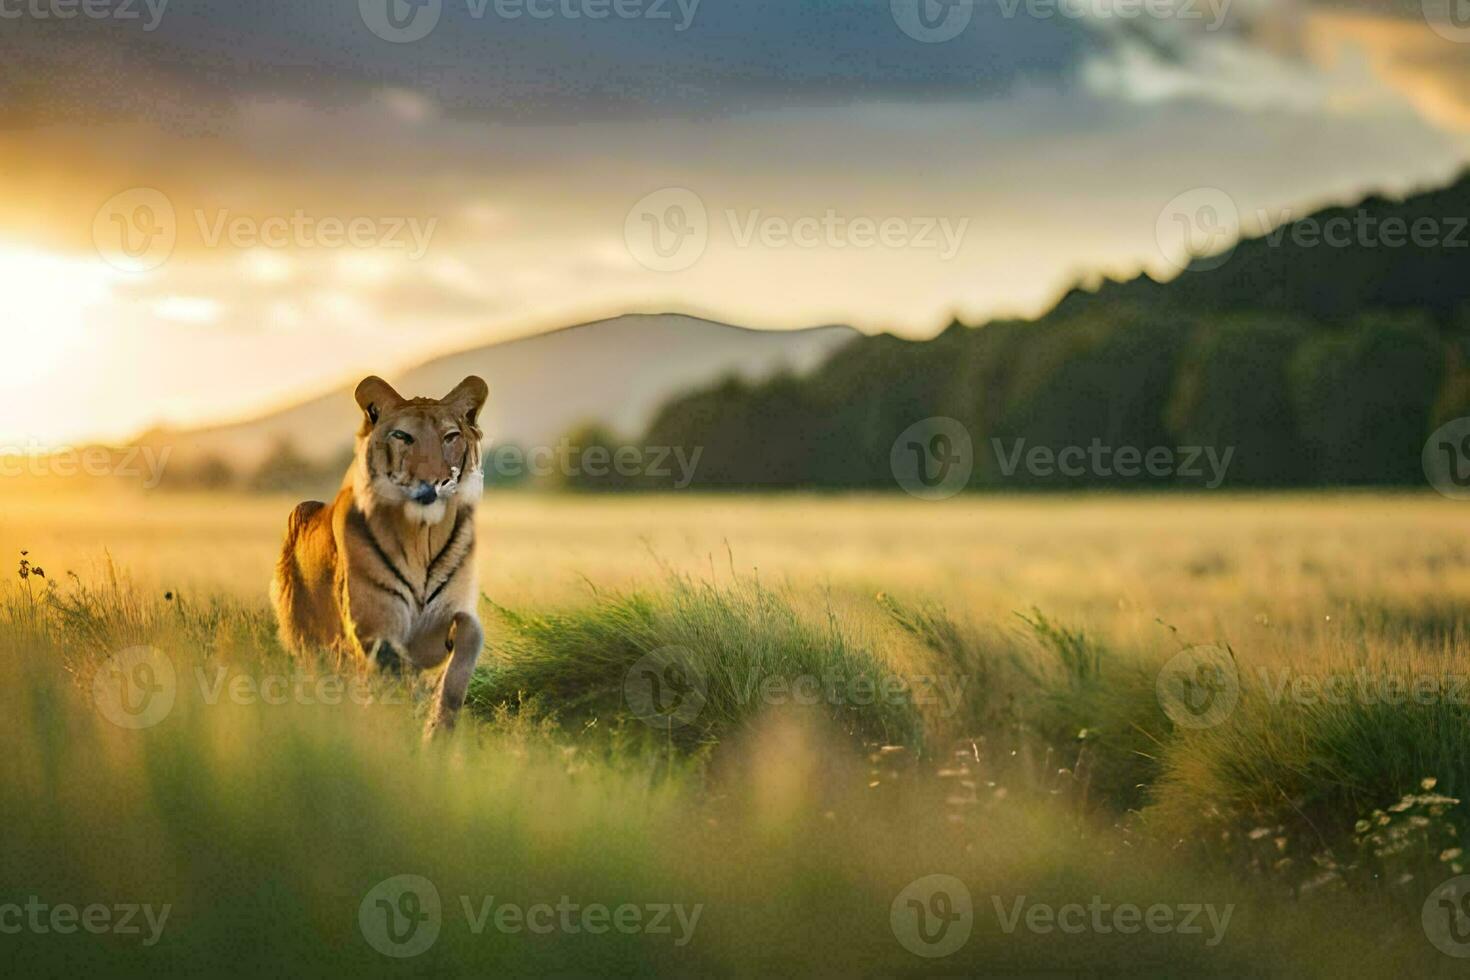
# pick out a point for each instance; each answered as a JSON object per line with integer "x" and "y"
{"x": 615, "y": 372}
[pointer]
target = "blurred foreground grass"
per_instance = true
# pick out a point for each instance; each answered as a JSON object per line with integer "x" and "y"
{"x": 265, "y": 799}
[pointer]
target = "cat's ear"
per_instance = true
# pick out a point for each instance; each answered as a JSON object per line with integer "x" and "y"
{"x": 375, "y": 396}
{"x": 467, "y": 398}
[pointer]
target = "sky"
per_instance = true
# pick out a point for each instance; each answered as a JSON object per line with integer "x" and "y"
{"x": 208, "y": 207}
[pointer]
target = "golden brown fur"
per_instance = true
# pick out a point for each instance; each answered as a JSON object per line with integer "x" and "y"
{"x": 385, "y": 573}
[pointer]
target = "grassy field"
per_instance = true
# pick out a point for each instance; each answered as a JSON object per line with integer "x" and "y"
{"x": 841, "y": 735}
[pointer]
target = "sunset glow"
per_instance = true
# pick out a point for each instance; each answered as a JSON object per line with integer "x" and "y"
{"x": 370, "y": 225}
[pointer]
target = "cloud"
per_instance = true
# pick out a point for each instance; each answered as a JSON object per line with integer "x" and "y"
{"x": 1428, "y": 70}
{"x": 1291, "y": 56}
{"x": 1228, "y": 70}
{"x": 733, "y": 56}
{"x": 526, "y": 144}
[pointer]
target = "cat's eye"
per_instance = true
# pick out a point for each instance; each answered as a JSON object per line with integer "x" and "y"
{"x": 451, "y": 436}
{"x": 402, "y": 436}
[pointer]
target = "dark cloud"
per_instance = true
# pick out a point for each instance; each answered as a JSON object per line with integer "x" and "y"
{"x": 734, "y": 55}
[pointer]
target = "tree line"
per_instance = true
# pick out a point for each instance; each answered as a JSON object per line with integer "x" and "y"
{"x": 1310, "y": 363}
{"x": 1298, "y": 360}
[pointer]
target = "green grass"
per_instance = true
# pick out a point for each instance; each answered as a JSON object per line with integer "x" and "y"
{"x": 1056, "y": 777}
{"x": 1309, "y": 770}
{"x": 691, "y": 665}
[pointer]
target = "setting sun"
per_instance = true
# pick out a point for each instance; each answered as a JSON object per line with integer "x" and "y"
{"x": 52, "y": 302}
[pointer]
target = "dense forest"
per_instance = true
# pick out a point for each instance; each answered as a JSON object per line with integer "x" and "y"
{"x": 1313, "y": 360}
